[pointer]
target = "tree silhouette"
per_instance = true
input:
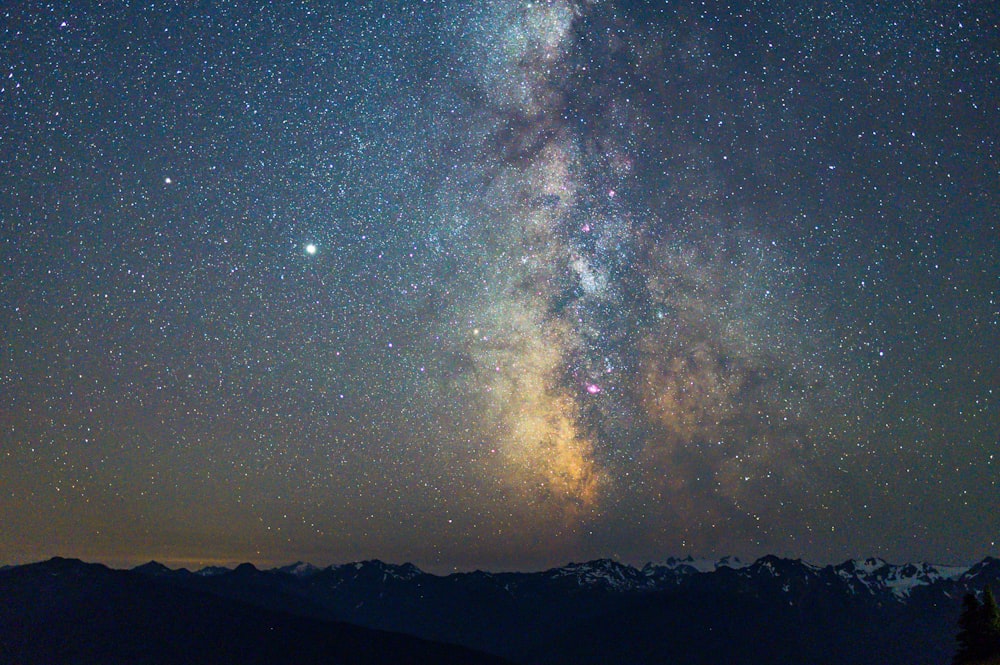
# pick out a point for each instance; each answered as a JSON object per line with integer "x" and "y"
{"x": 978, "y": 629}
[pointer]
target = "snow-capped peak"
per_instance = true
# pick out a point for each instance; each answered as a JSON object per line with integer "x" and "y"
{"x": 691, "y": 565}
{"x": 602, "y": 572}
{"x": 406, "y": 571}
{"x": 869, "y": 565}
{"x": 299, "y": 569}
{"x": 877, "y": 575}
{"x": 209, "y": 571}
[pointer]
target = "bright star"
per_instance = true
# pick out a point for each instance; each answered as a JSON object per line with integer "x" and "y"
{"x": 310, "y": 248}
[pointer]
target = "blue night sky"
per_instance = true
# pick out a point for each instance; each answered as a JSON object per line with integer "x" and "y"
{"x": 499, "y": 284}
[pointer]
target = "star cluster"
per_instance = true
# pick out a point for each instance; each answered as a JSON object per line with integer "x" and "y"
{"x": 498, "y": 284}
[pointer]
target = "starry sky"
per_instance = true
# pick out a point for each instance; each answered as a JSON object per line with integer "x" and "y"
{"x": 501, "y": 283}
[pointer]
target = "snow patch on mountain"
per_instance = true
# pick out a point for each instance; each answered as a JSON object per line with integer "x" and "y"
{"x": 387, "y": 571}
{"x": 605, "y": 573}
{"x": 877, "y": 576}
{"x": 299, "y": 569}
{"x": 690, "y": 564}
{"x": 209, "y": 571}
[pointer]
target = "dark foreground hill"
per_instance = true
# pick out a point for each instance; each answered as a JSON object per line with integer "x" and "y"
{"x": 66, "y": 611}
{"x": 772, "y": 611}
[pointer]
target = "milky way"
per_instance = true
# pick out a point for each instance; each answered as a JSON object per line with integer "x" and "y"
{"x": 614, "y": 355}
{"x": 499, "y": 283}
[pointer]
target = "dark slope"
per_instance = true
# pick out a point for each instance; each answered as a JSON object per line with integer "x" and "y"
{"x": 66, "y": 611}
{"x": 773, "y": 611}
{"x": 769, "y": 612}
{"x": 728, "y": 618}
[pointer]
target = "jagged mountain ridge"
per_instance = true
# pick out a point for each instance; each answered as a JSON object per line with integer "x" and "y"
{"x": 772, "y": 610}
{"x": 588, "y": 612}
{"x": 68, "y": 611}
{"x": 873, "y": 576}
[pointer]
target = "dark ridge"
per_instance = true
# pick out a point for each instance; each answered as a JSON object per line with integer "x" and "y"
{"x": 67, "y": 611}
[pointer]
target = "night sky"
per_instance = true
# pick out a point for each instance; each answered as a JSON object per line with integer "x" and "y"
{"x": 499, "y": 284}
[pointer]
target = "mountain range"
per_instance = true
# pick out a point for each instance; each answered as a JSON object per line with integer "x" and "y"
{"x": 771, "y": 610}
